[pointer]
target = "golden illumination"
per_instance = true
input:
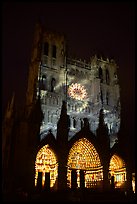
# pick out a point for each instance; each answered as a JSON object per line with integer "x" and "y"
{"x": 133, "y": 182}
{"x": 46, "y": 162}
{"x": 83, "y": 156}
{"x": 77, "y": 91}
{"x": 118, "y": 170}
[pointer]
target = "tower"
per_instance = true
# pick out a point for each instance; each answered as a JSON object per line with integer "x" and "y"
{"x": 87, "y": 86}
{"x": 90, "y": 95}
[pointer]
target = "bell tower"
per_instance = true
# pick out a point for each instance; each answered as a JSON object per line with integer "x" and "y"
{"x": 34, "y": 66}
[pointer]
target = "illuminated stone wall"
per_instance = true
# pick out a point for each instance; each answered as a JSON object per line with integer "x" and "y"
{"x": 98, "y": 78}
{"x": 46, "y": 162}
{"x": 82, "y": 156}
{"x": 117, "y": 168}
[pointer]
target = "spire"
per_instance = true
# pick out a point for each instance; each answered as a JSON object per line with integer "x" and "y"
{"x": 104, "y": 148}
{"x": 64, "y": 118}
{"x": 36, "y": 115}
{"x": 63, "y": 109}
{"x": 102, "y": 131}
{"x": 62, "y": 142}
{"x": 63, "y": 124}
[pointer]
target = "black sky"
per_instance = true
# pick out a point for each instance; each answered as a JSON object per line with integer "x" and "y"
{"x": 107, "y": 29}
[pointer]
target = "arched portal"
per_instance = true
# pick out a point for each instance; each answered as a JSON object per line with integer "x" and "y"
{"x": 83, "y": 158}
{"x": 117, "y": 169}
{"x": 46, "y": 162}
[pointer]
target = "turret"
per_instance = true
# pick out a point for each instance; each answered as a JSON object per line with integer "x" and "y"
{"x": 104, "y": 148}
{"x": 102, "y": 132}
{"x": 62, "y": 142}
{"x": 35, "y": 119}
{"x": 63, "y": 126}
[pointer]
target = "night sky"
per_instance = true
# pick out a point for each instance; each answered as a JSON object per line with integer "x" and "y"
{"x": 105, "y": 29}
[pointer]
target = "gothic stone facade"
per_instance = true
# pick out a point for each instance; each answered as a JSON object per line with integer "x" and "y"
{"x": 87, "y": 86}
{"x": 87, "y": 89}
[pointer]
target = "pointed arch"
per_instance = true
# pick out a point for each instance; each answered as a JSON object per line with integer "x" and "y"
{"x": 100, "y": 74}
{"x": 84, "y": 157}
{"x": 117, "y": 169}
{"x": 46, "y": 162}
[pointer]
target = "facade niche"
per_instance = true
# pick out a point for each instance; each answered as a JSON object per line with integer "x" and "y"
{"x": 107, "y": 98}
{"x": 101, "y": 96}
{"x": 107, "y": 77}
{"x": 81, "y": 122}
{"x": 100, "y": 75}
{"x": 74, "y": 123}
{"x": 43, "y": 83}
{"x": 53, "y": 83}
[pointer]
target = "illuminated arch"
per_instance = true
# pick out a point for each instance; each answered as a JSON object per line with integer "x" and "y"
{"x": 83, "y": 156}
{"x": 117, "y": 169}
{"x": 46, "y": 162}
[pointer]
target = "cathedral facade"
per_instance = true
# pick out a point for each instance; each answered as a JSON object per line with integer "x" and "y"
{"x": 87, "y": 87}
{"x": 66, "y": 135}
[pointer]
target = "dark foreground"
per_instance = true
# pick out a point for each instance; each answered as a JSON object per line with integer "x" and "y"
{"x": 71, "y": 196}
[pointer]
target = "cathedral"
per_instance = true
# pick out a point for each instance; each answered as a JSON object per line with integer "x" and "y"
{"x": 66, "y": 135}
{"x": 86, "y": 86}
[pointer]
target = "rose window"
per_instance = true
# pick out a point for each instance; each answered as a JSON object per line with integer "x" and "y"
{"x": 77, "y": 91}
